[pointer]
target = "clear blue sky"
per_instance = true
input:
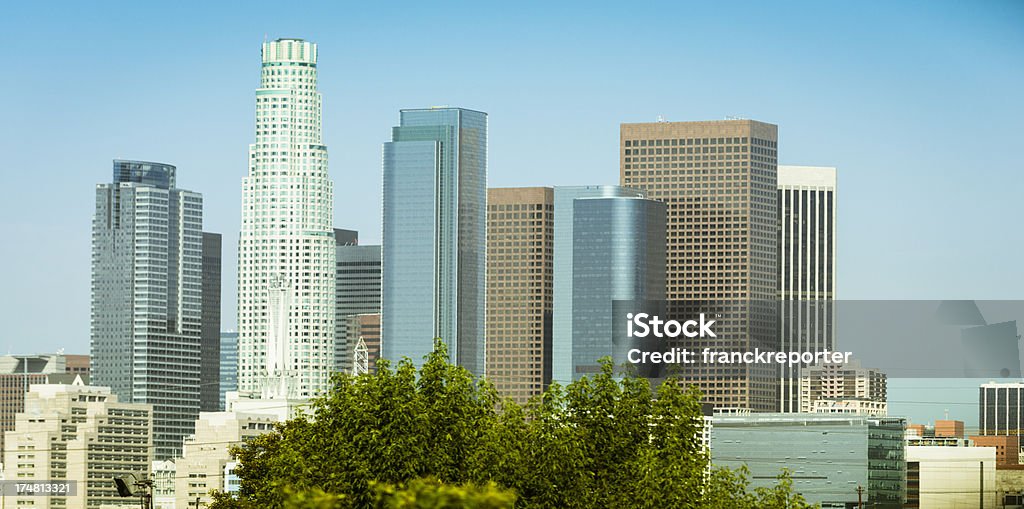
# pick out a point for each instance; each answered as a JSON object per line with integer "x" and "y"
{"x": 917, "y": 103}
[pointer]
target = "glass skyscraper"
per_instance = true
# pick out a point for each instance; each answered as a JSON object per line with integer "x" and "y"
{"x": 618, "y": 255}
{"x": 562, "y": 267}
{"x": 147, "y": 293}
{"x": 435, "y": 196}
{"x": 209, "y": 381}
{"x": 286, "y": 259}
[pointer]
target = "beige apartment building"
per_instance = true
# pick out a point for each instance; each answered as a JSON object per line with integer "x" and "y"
{"x": 718, "y": 180}
{"x": 19, "y": 372}
{"x": 81, "y": 433}
{"x": 520, "y": 238}
{"x": 824, "y": 385}
{"x": 201, "y": 470}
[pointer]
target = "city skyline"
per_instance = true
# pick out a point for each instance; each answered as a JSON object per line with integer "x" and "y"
{"x": 913, "y": 223}
{"x": 908, "y": 87}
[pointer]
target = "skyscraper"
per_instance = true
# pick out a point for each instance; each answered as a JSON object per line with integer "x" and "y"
{"x": 357, "y": 292}
{"x": 209, "y": 373}
{"x": 718, "y": 180}
{"x": 618, "y": 255}
{"x": 520, "y": 238}
{"x": 147, "y": 296}
{"x": 286, "y": 258}
{"x": 228, "y": 366}
{"x": 435, "y": 197}
{"x": 807, "y": 269}
{"x": 562, "y": 268}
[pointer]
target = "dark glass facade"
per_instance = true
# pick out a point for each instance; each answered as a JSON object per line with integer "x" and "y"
{"x": 999, "y": 408}
{"x": 209, "y": 348}
{"x": 143, "y": 172}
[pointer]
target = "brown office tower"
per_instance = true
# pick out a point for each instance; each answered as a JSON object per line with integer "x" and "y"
{"x": 520, "y": 237}
{"x": 718, "y": 180}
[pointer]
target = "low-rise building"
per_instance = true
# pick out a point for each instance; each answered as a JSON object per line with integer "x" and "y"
{"x": 951, "y": 477}
{"x": 18, "y": 372}
{"x": 163, "y": 484}
{"x": 949, "y": 428}
{"x": 205, "y": 454}
{"x": 80, "y": 433}
{"x": 206, "y": 460}
{"x": 1007, "y": 447}
{"x": 851, "y": 406}
{"x": 829, "y": 455}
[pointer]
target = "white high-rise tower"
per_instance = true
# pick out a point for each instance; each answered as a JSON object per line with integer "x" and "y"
{"x": 286, "y": 258}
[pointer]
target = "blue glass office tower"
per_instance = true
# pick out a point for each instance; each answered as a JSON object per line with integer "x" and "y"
{"x": 562, "y": 321}
{"x": 434, "y": 238}
{"x": 618, "y": 255}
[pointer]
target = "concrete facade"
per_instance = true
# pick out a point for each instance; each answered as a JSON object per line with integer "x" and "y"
{"x": 82, "y": 433}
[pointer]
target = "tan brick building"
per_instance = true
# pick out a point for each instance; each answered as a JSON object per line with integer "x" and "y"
{"x": 520, "y": 237}
{"x": 719, "y": 182}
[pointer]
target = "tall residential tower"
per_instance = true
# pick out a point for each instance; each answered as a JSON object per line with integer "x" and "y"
{"x": 286, "y": 258}
{"x": 435, "y": 198}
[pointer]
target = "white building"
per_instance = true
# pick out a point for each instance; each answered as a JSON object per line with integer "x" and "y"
{"x": 82, "y": 433}
{"x": 206, "y": 462}
{"x": 163, "y": 476}
{"x": 851, "y": 406}
{"x": 807, "y": 268}
{"x": 841, "y": 382}
{"x": 286, "y": 266}
{"x": 951, "y": 477}
{"x": 206, "y": 454}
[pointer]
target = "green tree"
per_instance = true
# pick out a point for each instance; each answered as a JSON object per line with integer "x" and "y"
{"x": 432, "y": 494}
{"x": 437, "y": 438}
{"x": 730, "y": 489}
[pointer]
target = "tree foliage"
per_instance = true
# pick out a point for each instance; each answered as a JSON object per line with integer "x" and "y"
{"x": 437, "y": 438}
